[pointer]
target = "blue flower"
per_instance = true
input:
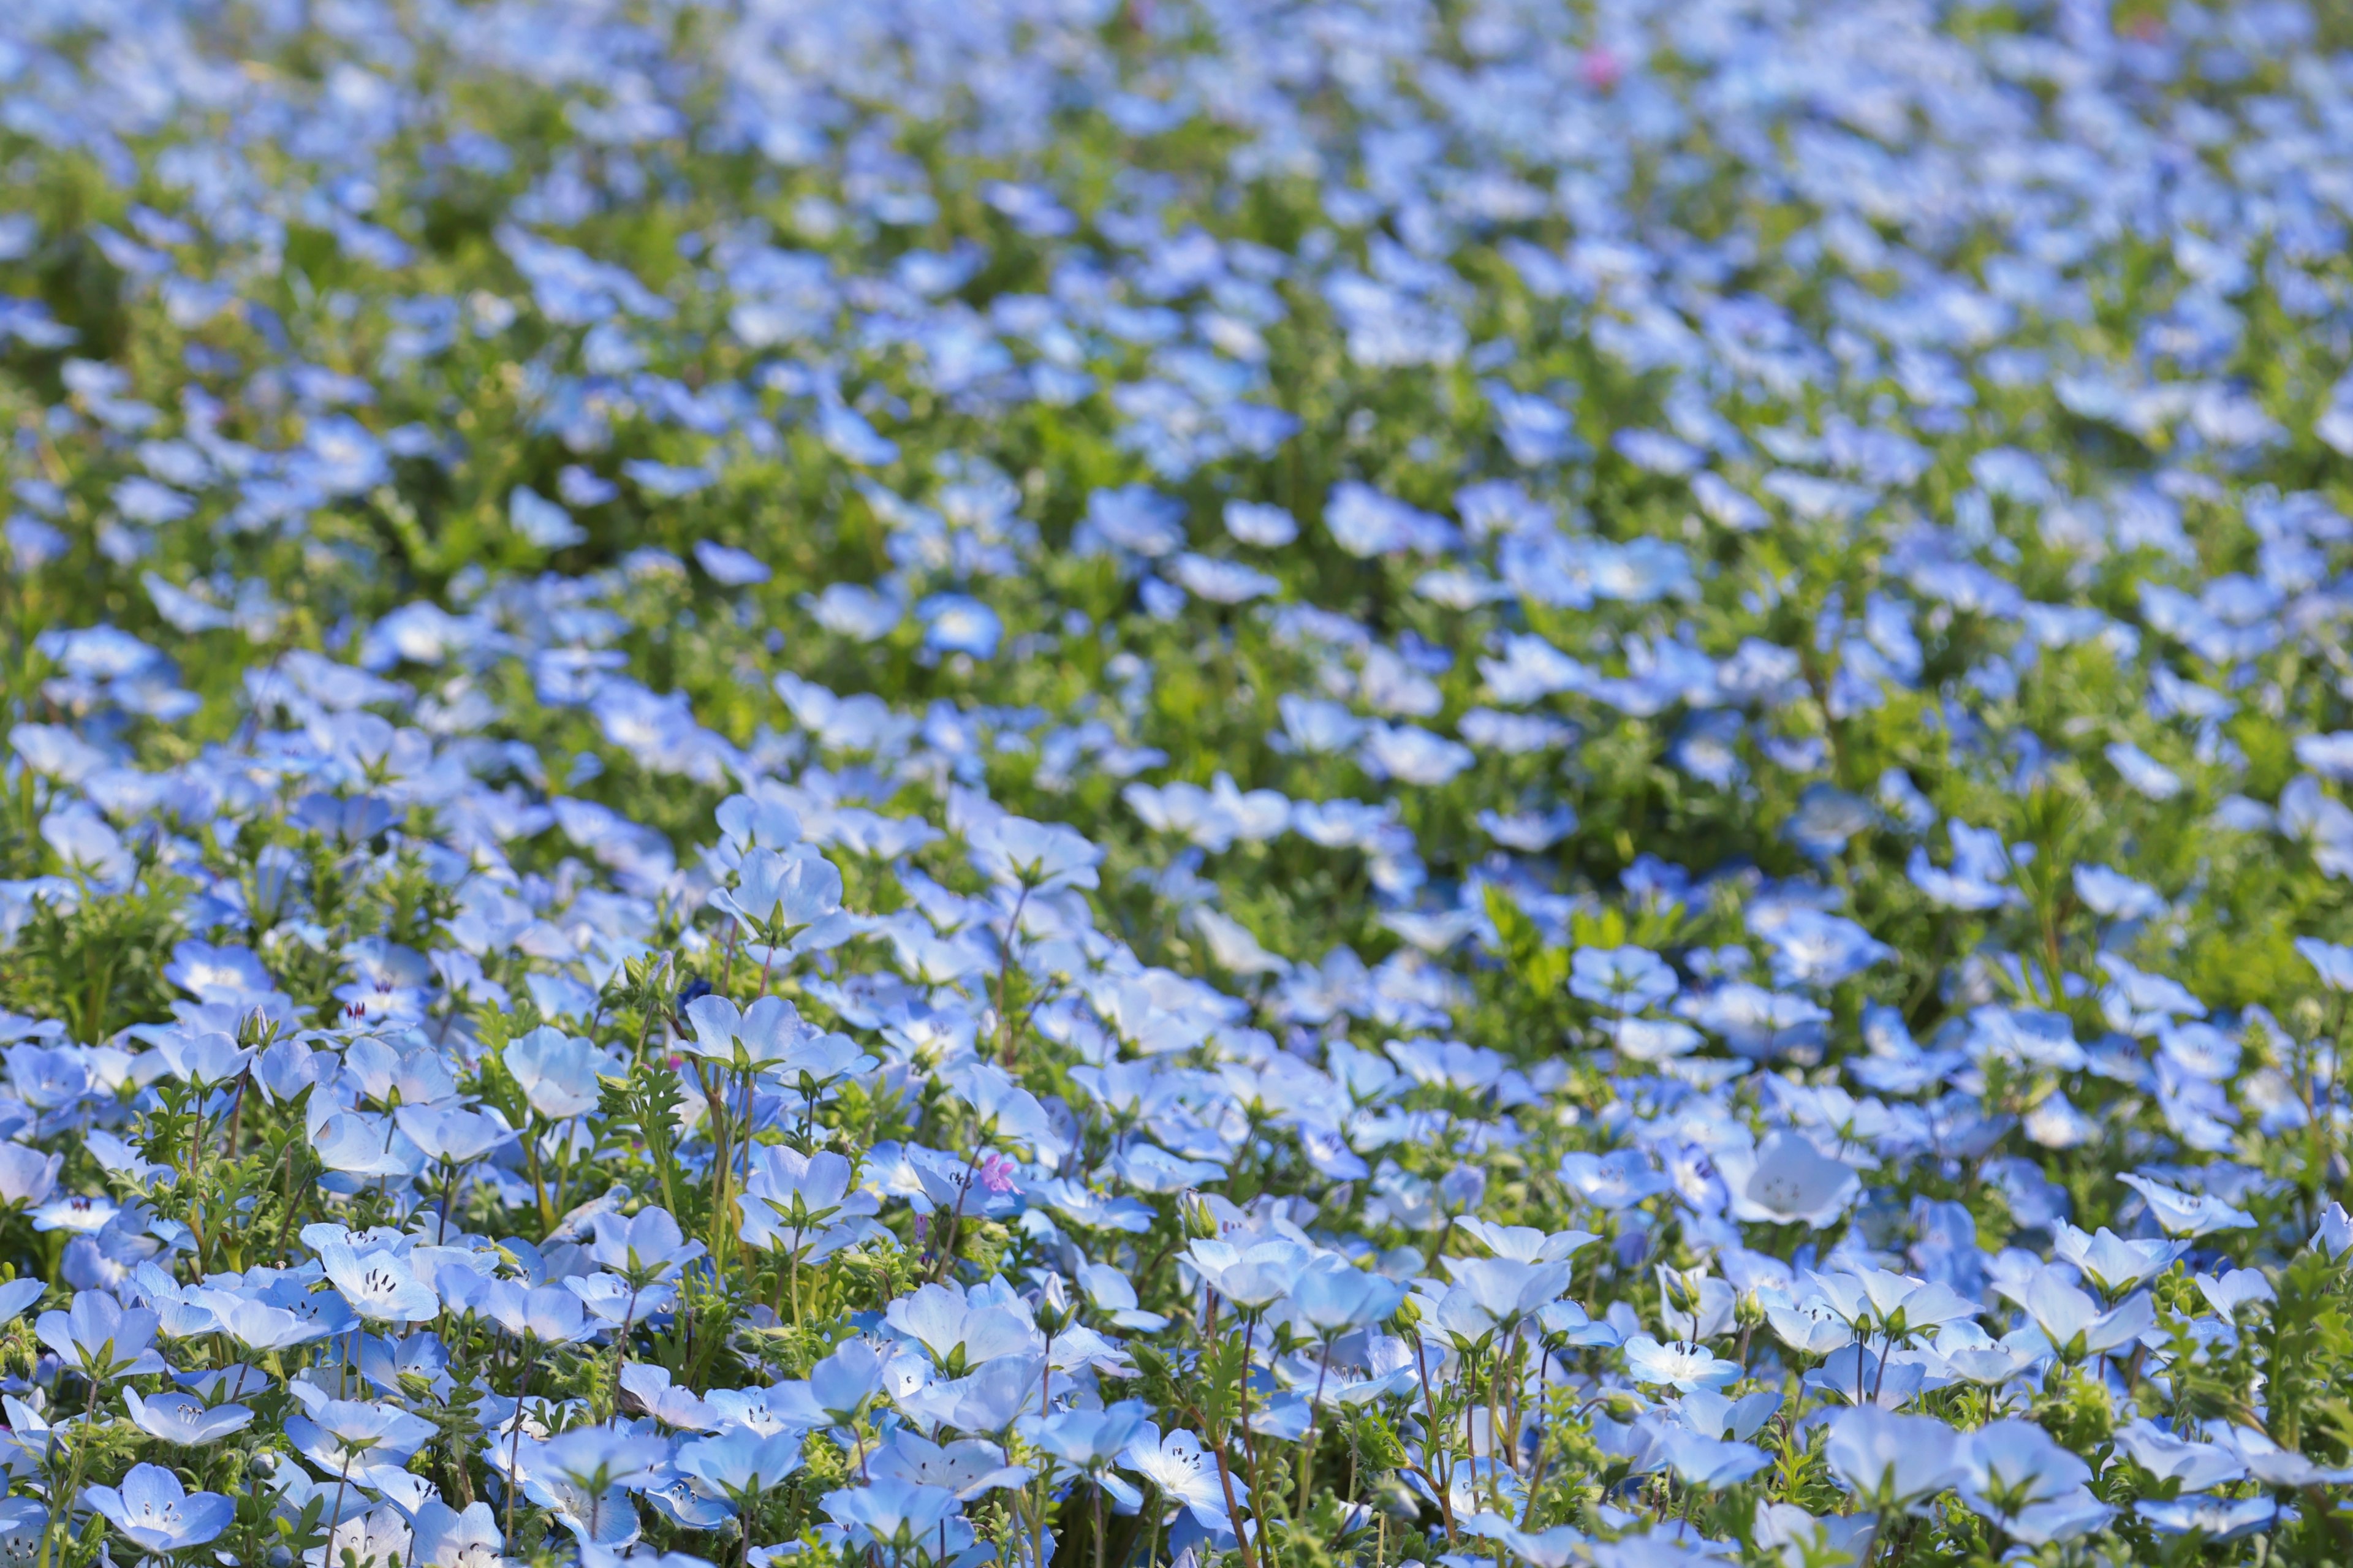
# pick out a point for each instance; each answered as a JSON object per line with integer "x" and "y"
{"x": 155, "y": 1511}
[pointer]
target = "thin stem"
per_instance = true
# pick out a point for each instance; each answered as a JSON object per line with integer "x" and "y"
{"x": 514, "y": 1449}
{"x": 1250, "y": 1446}
{"x": 1307, "y": 1444}
{"x": 1005, "y": 979}
{"x": 1242, "y": 1532}
{"x": 1099, "y": 1523}
{"x": 344, "y": 1481}
{"x": 621, "y": 1345}
{"x": 1445, "y": 1490}
{"x": 449, "y": 1191}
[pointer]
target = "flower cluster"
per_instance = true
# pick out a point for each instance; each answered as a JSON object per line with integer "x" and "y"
{"x": 1152, "y": 783}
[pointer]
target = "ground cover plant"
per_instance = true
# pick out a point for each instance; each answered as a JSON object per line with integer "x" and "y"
{"x": 1240, "y": 784}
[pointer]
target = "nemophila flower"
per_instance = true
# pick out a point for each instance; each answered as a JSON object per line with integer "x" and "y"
{"x": 1798, "y": 1536}
{"x": 768, "y": 1409}
{"x": 1813, "y": 947}
{"x": 647, "y": 1246}
{"x": 1002, "y": 1107}
{"x": 557, "y": 1072}
{"x": 1873, "y": 1302}
{"x": 101, "y": 1338}
{"x": 1825, "y": 819}
{"x": 1787, "y": 1180}
{"x": 1614, "y": 1181}
{"x": 1510, "y": 1287}
{"x": 2267, "y": 1462}
{"x": 337, "y": 1435}
{"x": 1753, "y": 1021}
{"x": 2142, "y": 773}
{"x": 1553, "y": 1548}
{"x": 1712, "y": 1462}
{"x": 762, "y": 1037}
{"x": 1412, "y": 755}
{"x": 1183, "y": 1474}
{"x": 2186, "y": 1213}
{"x": 156, "y": 1514}
{"x": 1038, "y": 855}
{"x": 959, "y": 1332}
{"x": 968, "y": 1467}
{"x": 182, "y": 1419}
{"x": 2336, "y": 1233}
{"x": 854, "y": 610}
{"x": 27, "y": 1176}
{"x": 443, "y": 1537}
{"x": 1088, "y": 1440}
{"x": 1694, "y": 1305}
{"x": 262, "y": 1326}
{"x": 1112, "y": 1293}
{"x": 1220, "y": 582}
{"x": 596, "y": 1554}
{"x": 79, "y": 1214}
{"x": 2111, "y": 893}
{"x": 378, "y": 1536}
{"x": 1981, "y": 867}
{"x": 841, "y": 1384}
{"x": 23, "y": 1522}
{"x": 1681, "y": 1366}
{"x": 1249, "y": 1277}
{"x": 378, "y": 1284}
{"x": 2139, "y": 1004}
{"x": 2074, "y": 1322}
{"x": 2010, "y": 1466}
{"x": 1256, "y": 523}
{"x": 960, "y": 623}
{"x": 453, "y": 1135}
{"x": 1890, "y": 1460}
{"x": 1653, "y": 1040}
{"x": 583, "y": 1474}
{"x": 1622, "y": 979}
{"x": 1330, "y": 1300}
{"x": 1470, "y": 1484}
{"x": 1857, "y": 1374}
{"x": 2196, "y": 1466}
{"x": 203, "y": 1058}
{"x": 2333, "y": 964}
{"x": 2213, "y": 1519}
{"x": 741, "y": 1464}
{"x": 648, "y": 1390}
{"x": 803, "y": 1204}
{"x": 1991, "y": 1365}
{"x": 782, "y": 894}
{"x": 1711, "y": 1415}
{"x": 890, "y": 1512}
{"x": 2109, "y": 1261}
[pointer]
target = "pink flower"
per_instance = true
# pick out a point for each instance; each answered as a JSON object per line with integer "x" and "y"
{"x": 996, "y": 1175}
{"x": 1599, "y": 68}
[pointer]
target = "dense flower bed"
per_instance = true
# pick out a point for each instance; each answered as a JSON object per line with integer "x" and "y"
{"x": 1175, "y": 782}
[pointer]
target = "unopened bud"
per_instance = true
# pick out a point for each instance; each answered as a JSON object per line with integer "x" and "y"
{"x": 1199, "y": 1220}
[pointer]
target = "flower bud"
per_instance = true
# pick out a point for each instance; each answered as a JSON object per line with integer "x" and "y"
{"x": 1199, "y": 1220}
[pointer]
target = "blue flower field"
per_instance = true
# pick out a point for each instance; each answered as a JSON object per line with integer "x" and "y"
{"x": 1176, "y": 784}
